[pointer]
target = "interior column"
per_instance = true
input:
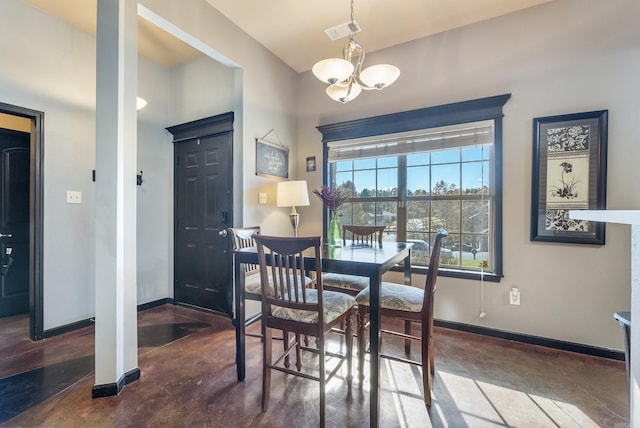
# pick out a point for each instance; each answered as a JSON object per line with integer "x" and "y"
{"x": 116, "y": 337}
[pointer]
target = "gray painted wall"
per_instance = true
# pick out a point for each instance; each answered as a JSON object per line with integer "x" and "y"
{"x": 567, "y": 56}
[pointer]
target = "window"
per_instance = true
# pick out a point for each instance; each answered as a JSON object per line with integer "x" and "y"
{"x": 420, "y": 171}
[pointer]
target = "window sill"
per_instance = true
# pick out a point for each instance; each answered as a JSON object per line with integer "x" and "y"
{"x": 455, "y": 273}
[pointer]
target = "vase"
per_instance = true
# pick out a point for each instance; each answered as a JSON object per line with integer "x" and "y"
{"x": 335, "y": 231}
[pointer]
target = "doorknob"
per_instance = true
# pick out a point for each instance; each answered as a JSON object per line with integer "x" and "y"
{"x": 223, "y": 232}
{"x": 8, "y": 235}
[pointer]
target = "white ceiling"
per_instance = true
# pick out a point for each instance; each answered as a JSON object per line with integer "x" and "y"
{"x": 294, "y": 29}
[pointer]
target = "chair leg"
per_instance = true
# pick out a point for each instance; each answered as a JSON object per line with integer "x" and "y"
{"x": 432, "y": 358}
{"x": 407, "y": 342}
{"x": 298, "y": 352}
{"x": 285, "y": 343}
{"x": 321, "y": 375}
{"x": 349, "y": 336}
{"x": 266, "y": 368}
{"x": 427, "y": 375}
{"x": 362, "y": 340}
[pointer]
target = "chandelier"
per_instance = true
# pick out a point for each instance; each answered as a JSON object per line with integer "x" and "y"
{"x": 345, "y": 76}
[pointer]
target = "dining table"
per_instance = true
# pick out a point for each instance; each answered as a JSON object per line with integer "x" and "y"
{"x": 370, "y": 261}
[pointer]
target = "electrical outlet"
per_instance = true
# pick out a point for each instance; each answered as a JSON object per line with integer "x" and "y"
{"x": 74, "y": 197}
{"x": 262, "y": 198}
{"x": 514, "y": 296}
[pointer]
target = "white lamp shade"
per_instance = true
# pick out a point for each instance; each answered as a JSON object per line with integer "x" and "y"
{"x": 332, "y": 70}
{"x": 341, "y": 93}
{"x": 379, "y": 76}
{"x": 292, "y": 194}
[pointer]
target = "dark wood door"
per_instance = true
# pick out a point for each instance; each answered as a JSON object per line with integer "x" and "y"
{"x": 203, "y": 204}
{"x": 14, "y": 222}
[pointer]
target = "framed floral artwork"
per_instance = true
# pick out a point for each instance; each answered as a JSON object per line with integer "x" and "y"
{"x": 569, "y": 173}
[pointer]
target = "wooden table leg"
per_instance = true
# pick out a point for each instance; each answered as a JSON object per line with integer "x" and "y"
{"x": 239, "y": 319}
{"x": 374, "y": 332}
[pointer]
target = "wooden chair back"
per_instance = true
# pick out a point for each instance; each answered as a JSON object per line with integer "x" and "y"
{"x": 432, "y": 276}
{"x": 283, "y": 260}
{"x": 243, "y": 238}
{"x": 362, "y": 234}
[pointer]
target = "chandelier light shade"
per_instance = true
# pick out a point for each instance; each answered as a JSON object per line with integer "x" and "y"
{"x": 332, "y": 70}
{"x": 345, "y": 75}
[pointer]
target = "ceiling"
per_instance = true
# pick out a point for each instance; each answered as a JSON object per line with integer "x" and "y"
{"x": 300, "y": 40}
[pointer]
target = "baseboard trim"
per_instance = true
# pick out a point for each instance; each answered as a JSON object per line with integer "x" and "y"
{"x": 156, "y": 303}
{"x": 111, "y": 389}
{"x": 68, "y": 327}
{"x": 107, "y": 389}
{"x": 56, "y": 331}
{"x": 534, "y": 340}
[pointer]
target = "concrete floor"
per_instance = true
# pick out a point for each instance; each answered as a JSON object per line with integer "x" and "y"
{"x": 188, "y": 379}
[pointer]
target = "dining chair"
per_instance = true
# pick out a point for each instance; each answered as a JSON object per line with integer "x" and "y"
{"x": 409, "y": 304}
{"x": 359, "y": 235}
{"x": 293, "y": 308}
{"x": 242, "y": 237}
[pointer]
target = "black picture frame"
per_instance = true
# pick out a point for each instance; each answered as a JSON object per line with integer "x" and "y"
{"x": 271, "y": 160}
{"x": 569, "y": 173}
{"x": 311, "y": 164}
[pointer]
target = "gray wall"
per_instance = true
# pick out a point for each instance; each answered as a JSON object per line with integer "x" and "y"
{"x": 567, "y": 56}
{"x": 48, "y": 65}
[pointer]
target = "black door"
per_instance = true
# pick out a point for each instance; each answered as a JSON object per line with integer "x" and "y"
{"x": 14, "y": 222}
{"x": 203, "y": 204}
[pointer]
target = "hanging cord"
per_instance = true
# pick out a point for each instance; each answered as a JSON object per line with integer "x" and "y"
{"x": 484, "y": 263}
{"x": 273, "y": 131}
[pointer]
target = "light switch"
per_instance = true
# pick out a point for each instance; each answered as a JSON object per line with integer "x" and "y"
{"x": 74, "y": 197}
{"x": 263, "y": 198}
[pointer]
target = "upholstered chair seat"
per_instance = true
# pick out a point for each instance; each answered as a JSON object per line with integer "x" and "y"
{"x": 396, "y": 297}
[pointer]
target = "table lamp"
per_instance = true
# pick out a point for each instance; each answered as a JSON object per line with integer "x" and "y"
{"x": 293, "y": 194}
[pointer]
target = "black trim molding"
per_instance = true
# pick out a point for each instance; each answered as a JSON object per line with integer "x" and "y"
{"x": 155, "y": 303}
{"x": 412, "y": 120}
{"x": 91, "y": 321}
{"x": 69, "y": 327}
{"x": 111, "y": 389}
{"x": 534, "y": 340}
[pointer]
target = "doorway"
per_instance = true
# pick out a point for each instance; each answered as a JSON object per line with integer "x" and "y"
{"x": 203, "y": 210}
{"x": 30, "y": 249}
{"x": 14, "y": 222}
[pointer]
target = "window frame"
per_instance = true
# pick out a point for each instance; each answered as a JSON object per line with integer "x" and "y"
{"x": 489, "y": 108}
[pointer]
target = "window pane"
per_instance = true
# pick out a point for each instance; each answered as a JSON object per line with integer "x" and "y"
{"x": 417, "y": 218}
{"x": 346, "y": 213}
{"x": 388, "y": 162}
{"x": 472, "y": 153}
{"x": 344, "y": 166}
{"x": 475, "y": 177}
{"x": 364, "y": 164}
{"x": 475, "y": 217}
{"x": 365, "y": 183}
{"x": 387, "y": 214}
{"x": 418, "y": 180}
{"x": 344, "y": 179}
{"x": 445, "y": 215}
{"x": 418, "y": 159}
{"x": 445, "y": 179}
{"x": 445, "y": 156}
{"x": 388, "y": 182}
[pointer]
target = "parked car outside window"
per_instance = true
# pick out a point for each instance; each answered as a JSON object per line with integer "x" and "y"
{"x": 421, "y": 250}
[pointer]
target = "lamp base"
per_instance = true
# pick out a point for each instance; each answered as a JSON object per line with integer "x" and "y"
{"x": 295, "y": 220}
